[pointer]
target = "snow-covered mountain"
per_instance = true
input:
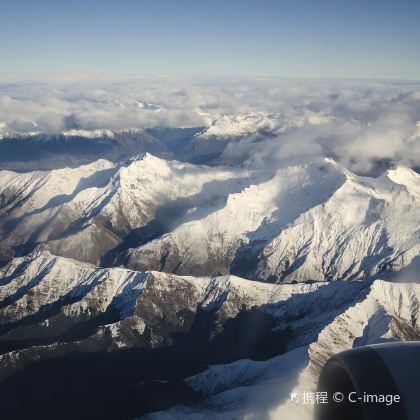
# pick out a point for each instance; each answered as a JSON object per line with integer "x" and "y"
{"x": 53, "y": 308}
{"x": 232, "y": 131}
{"x": 314, "y": 221}
{"x": 307, "y": 222}
{"x": 231, "y": 126}
{"x": 231, "y": 284}
{"x": 87, "y": 211}
{"x": 45, "y": 298}
{"x": 31, "y": 149}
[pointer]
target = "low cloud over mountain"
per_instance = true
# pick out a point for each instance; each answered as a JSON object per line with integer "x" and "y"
{"x": 354, "y": 122}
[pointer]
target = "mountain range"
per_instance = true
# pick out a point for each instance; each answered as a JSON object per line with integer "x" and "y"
{"x": 151, "y": 273}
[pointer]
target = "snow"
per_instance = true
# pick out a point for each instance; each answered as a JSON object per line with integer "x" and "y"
{"x": 220, "y": 378}
{"x": 315, "y": 221}
{"x": 244, "y": 389}
{"x": 239, "y": 125}
{"x": 234, "y": 126}
{"x": 127, "y": 195}
{"x": 35, "y": 189}
{"x": 405, "y": 176}
{"x": 321, "y": 215}
{"x": 318, "y": 244}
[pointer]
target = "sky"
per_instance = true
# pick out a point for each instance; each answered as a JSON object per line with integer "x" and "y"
{"x": 367, "y": 39}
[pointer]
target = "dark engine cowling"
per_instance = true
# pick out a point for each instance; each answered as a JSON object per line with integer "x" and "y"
{"x": 378, "y": 382}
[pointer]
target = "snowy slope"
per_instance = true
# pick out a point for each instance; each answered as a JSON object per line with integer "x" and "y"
{"x": 312, "y": 221}
{"x": 86, "y": 211}
{"x": 366, "y": 227}
{"x": 25, "y": 192}
{"x": 228, "y": 126}
{"x": 228, "y": 136}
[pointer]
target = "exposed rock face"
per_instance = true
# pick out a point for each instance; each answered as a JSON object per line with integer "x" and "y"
{"x": 52, "y": 308}
{"x": 388, "y": 312}
{"x": 6, "y": 254}
{"x": 50, "y": 305}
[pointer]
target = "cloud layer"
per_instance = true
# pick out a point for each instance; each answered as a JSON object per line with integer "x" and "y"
{"x": 356, "y": 122}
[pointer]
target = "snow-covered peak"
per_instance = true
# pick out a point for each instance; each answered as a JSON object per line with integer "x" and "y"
{"x": 357, "y": 226}
{"x": 205, "y": 220}
{"x": 389, "y": 312}
{"x": 37, "y": 189}
{"x": 239, "y": 125}
{"x": 7, "y": 133}
{"x": 407, "y": 177}
{"x": 146, "y": 159}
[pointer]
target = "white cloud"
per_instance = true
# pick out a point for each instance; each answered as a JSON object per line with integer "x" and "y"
{"x": 357, "y": 122}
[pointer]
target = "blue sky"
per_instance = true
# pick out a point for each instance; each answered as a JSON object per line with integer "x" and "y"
{"x": 296, "y": 38}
